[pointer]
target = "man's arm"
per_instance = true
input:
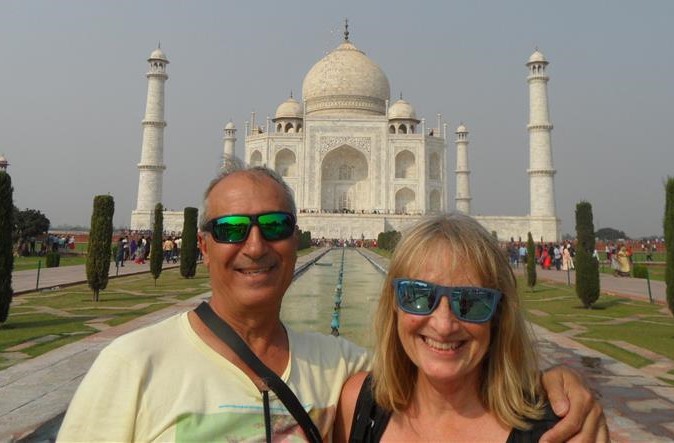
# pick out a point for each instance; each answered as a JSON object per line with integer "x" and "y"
{"x": 582, "y": 415}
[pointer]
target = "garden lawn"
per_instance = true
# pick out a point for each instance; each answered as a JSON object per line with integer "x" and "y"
{"x": 41, "y": 321}
{"x": 612, "y": 321}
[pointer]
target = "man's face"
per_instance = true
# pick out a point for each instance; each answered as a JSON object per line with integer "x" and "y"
{"x": 255, "y": 273}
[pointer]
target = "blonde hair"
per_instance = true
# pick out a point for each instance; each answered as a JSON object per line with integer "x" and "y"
{"x": 510, "y": 380}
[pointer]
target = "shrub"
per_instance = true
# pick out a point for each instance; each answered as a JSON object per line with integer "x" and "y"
{"x": 304, "y": 239}
{"x": 100, "y": 241}
{"x": 531, "y": 262}
{"x": 640, "y": 271}
{"x": 189, "y": 247}
{"x": 587, "y": 267}
{"x": 6, "y": 255}
{"x": 669, "y": 242}
{"x": 156, "y": 250}
{"x": 52, "y": 259}
{"x": 388, "y": 240}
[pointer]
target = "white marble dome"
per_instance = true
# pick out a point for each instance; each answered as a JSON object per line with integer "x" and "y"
{"x": 290, "y": 108}
{"x": 346, "y": 81}
{"x": 461, "y": 129}
{"x": 230, "y": 125}
{"x": 158, "y": 54}
{"x": 401, "y": 109}
{"x": 537, "y": 57}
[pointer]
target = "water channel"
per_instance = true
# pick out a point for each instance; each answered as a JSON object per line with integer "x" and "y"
{"x": 310, "y": 301}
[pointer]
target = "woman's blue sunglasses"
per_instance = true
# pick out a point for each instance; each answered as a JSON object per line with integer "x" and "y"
{"x": 468, "y": 303}
{"x": 236, "y": 227}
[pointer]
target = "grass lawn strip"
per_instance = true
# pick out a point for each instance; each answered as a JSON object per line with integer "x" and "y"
{"x": 42, "y": 321}
{"x": 633, "y": 332}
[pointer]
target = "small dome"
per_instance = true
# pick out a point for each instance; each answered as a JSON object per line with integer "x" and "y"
{"x": 401, "y": 110}
{"x": 537, "y": 57}
{"x": 346, "y": 81}
{"x": 290, "y": 108}
{"x": 230, "y": 125}
{"x": 158, "y": 54}
{"x": 461, "y": 129}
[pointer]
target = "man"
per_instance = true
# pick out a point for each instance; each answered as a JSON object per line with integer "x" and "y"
{"x": 177, "y": 381}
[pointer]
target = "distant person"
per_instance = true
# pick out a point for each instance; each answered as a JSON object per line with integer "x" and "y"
{"x": 119, "y": 254}
{"x": 624, "y": 265}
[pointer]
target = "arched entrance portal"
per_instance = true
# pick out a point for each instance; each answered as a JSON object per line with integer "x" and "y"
{"x": 344, "y": 185}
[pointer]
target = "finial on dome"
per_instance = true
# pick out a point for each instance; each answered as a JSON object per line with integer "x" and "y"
{"x": 401, "y": 95}
{"x": 291, "y": 93}
{"x": 346, "y": 29}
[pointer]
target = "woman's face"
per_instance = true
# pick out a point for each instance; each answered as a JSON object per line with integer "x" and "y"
{"x": 444, "y": 349}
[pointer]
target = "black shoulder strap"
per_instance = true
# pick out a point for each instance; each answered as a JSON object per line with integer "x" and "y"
{"x": 283, "y": 392}
{"x": 362, "y": 415}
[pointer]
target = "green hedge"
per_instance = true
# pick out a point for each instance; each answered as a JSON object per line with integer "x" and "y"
{"x": 53, "y": 259}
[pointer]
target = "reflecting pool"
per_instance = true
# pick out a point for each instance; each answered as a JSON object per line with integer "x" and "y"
{"x": 310, "y": 301}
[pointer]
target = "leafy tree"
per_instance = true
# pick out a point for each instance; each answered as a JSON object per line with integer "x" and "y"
{"x": 669, "y": 241}
{"x": 156, "y": 250}
{"x": 531, "y": 262}
{"x": 100, "y": 240}
{"x": 29, "y": 223}
{"x": 188, "y": 249}
{"x": 587, "y": 266}
{"x": 610, "y": 234}
{"x": 6, "y": 256}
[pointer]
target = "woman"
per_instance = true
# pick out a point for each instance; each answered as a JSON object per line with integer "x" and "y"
{"x": 460, "y": 367}
{"x": 624, "y": 267}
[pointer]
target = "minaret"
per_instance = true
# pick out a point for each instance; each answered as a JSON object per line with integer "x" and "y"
{"x": 3, "y": 163}
{"x": 541, "y": 171}
{"x": 151, "y": 167}
{"x": 462, "y": 171}
{"x": 230, "y": 141}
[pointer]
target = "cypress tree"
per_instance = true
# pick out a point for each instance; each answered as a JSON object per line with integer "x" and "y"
{"x": 587, "y": 266}
{"x": 188, "y": 250}
{"x": 156, "y": 249}
{"x": 531, "y": 262}
{"x": 669, "y": 242}
{"x": 100, "y": 241}
{"x": 6, "y": 256}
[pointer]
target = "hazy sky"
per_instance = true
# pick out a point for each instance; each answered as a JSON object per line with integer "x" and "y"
{"x": 73, "y": 90}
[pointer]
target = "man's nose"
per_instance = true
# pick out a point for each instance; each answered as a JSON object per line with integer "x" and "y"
{"x": 255, "y": 245}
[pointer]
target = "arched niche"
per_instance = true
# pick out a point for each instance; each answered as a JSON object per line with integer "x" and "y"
{"x": 344, "y": 185}
{"x": 405, "y": 201}
{"x": 256, "y": 159}
{"x": 405, "y": 165}
{"x": 286, "y": 163}
{"x": 434, "y": 201}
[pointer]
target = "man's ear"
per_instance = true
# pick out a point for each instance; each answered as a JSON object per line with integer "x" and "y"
{"x": 203, "y": 246}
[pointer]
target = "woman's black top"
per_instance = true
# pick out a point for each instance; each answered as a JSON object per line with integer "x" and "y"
{"x": 370, "y": 420}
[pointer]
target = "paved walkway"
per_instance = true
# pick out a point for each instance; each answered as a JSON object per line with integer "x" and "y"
{"x": 34, "y": 394}
{"x": 47, "y": 278}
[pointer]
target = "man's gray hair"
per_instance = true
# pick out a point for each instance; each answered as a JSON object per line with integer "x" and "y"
{"x": 233, "y": 165}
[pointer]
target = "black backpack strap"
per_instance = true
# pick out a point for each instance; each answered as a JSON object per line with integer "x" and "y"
{"x": 225, "y": 333}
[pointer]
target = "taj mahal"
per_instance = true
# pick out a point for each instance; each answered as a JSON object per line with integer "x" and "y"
{"x": 359, "y": 163}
